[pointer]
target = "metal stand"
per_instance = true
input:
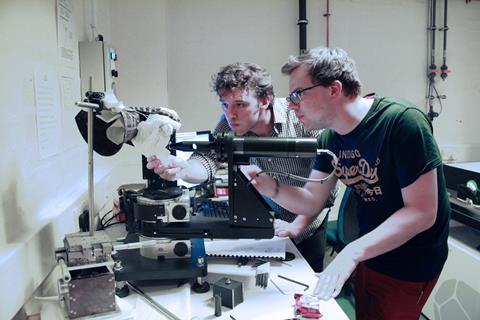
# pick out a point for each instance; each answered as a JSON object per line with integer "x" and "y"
{"x": 91, "y": 212}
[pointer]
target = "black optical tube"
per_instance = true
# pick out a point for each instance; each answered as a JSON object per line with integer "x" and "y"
{"x": 252, "y": 146}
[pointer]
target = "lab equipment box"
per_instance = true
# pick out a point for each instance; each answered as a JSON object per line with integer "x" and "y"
{"x": 90, "y": 291}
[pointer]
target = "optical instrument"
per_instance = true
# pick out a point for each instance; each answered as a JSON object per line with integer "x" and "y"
{"x": 165, "y": 237}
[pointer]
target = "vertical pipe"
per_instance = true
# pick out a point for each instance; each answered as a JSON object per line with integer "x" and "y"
{"x": 444, "y": 68}
{"x": 445, "y": 27}
{"x": 302, "y": 23}
{"x": 433, "y": 29}
{"x": 427, "y": 56}
{"x": 93, "y": 18}
{"x": 327, "y": 16}
{"x": 91, "y": 215}
{"x": 432, "y": 67}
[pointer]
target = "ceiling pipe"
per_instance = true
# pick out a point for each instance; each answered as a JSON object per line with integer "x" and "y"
{"x": 327, "y": 22}
{"x": 433, "y": 30}
{"x": 302, "y": 24}
{"x": 444, "y": 68}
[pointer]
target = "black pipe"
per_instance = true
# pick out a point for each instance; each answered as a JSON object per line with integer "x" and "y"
{"x": 302, "y": 23}
{"x": 327, "y": 16}
{"x": 444, "y": 68}
{"x": 432, "y": 68}
{"x": 433, "y": 30}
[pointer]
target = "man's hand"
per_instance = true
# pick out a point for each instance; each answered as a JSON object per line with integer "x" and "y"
{"x": 332, "y": 279}
{"x": 174, "y": 169}
{"x": 288, "y": 229}
{"x": 264, "y": 183}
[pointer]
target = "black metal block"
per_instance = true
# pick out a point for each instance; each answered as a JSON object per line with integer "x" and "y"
{"x": 230, "y": 291}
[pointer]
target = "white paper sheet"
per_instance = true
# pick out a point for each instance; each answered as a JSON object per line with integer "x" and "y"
{"x": 48, "y": 112}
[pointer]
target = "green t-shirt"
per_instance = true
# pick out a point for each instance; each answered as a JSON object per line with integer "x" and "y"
{"x": 390, "y": 148}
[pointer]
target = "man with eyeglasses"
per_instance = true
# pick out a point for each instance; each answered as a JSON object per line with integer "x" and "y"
{"x": 250, "y": 108}
{"x": 388, "y": 156}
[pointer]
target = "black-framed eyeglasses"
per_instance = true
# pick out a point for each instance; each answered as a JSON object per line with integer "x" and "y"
{"x": 296, "y": 96}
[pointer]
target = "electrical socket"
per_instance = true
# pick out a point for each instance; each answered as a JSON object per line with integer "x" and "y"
{"x": 78, "y": 214}
{"x": 83, "y": 221}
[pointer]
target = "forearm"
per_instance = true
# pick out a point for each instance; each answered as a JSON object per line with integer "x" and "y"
{"x": 196, "y": 172}
{"x": 209, "y": 162}
{"x": 391, "y": 234}
{"x": 300, "y": 201}
{"x": 418, "y": 214}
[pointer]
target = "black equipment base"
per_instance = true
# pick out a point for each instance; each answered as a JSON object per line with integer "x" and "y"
{"x": 136, "y": 267}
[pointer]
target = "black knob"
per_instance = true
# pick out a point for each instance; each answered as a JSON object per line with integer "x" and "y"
{"x": 179, "y": 212}
{"x": 115, "y": 73}
{"x": 181, "y": 249}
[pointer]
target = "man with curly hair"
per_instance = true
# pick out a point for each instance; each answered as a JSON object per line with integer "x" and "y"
{"x": 250, "y": 108}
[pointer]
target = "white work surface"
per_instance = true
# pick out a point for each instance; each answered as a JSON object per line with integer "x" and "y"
{"x": 258, "y": 303}
{"x": 472, "y": 166}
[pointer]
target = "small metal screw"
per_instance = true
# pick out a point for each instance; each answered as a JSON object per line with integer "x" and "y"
{"x": 200, "y": 261}
{"x": 118, "y": 265}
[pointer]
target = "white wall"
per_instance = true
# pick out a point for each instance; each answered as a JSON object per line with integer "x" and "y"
{"x": 138, "y": 33}
{"x": 204, "y": 35}
{"x": 40, "y": 199}
{"x": 387, "y": 38}
{"x": 168, "y": 50}
{"x": 457, "y": 127}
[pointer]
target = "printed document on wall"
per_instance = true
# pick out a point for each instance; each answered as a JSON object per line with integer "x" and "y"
{"x": 48, "y": 112}
{"x": 65, "y": 31}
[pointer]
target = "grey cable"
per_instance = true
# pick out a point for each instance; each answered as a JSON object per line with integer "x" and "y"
{"x": 300, "y": 178}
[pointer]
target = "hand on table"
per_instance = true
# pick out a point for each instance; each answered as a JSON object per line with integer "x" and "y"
{"x": 332, "y": 279}
{"x": 287, "y": 229}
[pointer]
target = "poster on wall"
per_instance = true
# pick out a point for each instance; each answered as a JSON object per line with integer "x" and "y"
{"x": 67, "y": 42}
{"x": 65, "y": 32}
{"x": 48, "y": 112}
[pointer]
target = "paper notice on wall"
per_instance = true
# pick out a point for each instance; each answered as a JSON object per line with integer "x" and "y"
{"x": 48, "y": 112}
{"x": 69, "y": 88}
{"x": 65, "y": 31}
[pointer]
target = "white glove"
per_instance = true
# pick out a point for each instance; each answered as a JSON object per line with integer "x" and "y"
{"x": 112, "y": 103}
{"x": 154, "y": 134}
